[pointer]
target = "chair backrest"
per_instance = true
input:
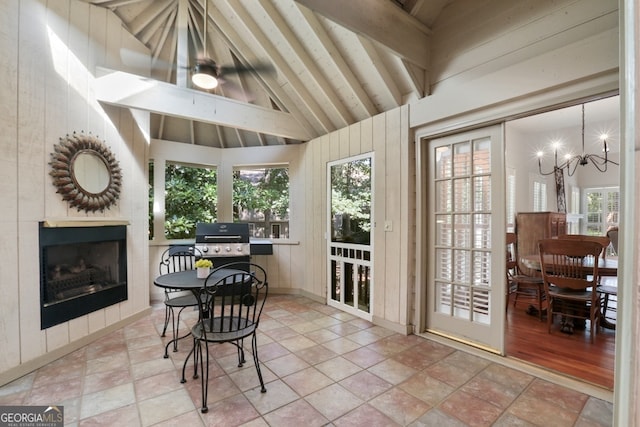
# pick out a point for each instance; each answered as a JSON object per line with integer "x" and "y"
{"x": 178, "y": 258}
{"x": 512, "y": 253}
{"x": 604, "y": 241}
{"x": 612, "y": 234}
{"x": 233, "y": 302}
{"x": 570, "y": 264}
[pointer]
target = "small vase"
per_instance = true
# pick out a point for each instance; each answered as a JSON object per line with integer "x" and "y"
{"x": 202, "y": 272}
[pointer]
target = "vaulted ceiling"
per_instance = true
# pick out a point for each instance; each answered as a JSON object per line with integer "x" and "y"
{"x": 302, "y": 68}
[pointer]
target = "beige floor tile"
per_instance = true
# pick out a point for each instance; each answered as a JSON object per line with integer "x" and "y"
{"x": 320, "y": 366}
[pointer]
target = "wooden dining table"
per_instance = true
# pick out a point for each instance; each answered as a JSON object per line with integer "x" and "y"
{"x": 607, "y": 267}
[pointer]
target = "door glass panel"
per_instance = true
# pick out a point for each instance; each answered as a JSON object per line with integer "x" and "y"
{"x": 482, "y": 193}
{"x": 443, "y": 162}
{"x": 444, "y": 199}
{"x": 443, "y": 298}
{"x": 481, "y": 305}
{"x": 462, "y": 159}
{"x": 443, "y": 264}
{"x": 482, "y": 231}
{"x": 443, "y": 230}
{"x": 461, "y": 263}
{"x": 481, "y": 268}
{"x": 462, "y": 231}
{"x": 481, "y": 156}
{"x": 462, "y": 195}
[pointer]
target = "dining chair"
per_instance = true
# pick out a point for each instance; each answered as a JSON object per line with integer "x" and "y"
{"x": 607, "y": 285}
{"x": 570, "y": 280}
{"x": 524, "y": 287}
{"x": 230, "y": 312}
{"x": 173, "y": 260}
{"x": 604, "y": 241}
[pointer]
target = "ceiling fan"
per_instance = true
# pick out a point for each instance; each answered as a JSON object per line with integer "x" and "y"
{"x": 206, "y": 73}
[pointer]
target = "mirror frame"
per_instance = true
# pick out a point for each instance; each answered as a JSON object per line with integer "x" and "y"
{"x": 64, "y": 179}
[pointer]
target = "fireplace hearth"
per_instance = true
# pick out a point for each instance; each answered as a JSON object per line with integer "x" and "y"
{"x": 82, "y": 269}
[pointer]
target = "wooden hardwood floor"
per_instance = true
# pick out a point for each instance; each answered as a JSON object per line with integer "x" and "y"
{"x": 527, "y": 339}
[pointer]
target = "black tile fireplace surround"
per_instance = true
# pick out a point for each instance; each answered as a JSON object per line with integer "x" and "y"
{"x": 82, "y": 269}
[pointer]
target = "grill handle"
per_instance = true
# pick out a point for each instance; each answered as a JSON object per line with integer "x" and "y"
{"x": 222, "y": 238}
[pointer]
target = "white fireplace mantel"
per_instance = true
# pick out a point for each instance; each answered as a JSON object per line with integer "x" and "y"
{"x": 83, "y": 222}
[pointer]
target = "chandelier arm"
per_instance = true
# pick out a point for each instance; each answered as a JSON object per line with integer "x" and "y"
{"x": 603, "y": 159}
{"x": 575, "y": 161}
{"x": 546, "y": 173}
{"x": 602, "y": 167}
{"x": 599, "y": 162}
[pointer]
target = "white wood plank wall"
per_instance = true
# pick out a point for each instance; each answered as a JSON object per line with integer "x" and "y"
{"x": 387, "y": 136}
{"x": 50, "y": 50}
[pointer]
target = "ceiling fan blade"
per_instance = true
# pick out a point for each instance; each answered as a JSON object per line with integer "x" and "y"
{"x": 241, "y": 69}
{"x": 234, "y": 91}
{"x": 143, "y": 61}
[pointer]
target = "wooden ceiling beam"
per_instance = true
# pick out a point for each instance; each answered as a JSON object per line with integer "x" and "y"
{"x": 382, "y": 22}
{"x": 141, "y": 93}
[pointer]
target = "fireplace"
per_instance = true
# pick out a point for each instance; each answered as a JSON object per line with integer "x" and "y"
{"x": 82, "y": 269}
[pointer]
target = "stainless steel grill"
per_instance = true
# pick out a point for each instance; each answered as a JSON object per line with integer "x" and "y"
{"x": 223, "y": 242}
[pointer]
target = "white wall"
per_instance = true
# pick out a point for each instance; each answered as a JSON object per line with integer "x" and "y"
{"x": 50, "y": 50}
{"x": 521, "y": 149}
{"x": 387, "y": 136}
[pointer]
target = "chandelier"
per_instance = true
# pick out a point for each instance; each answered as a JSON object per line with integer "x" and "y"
{"x": 571, "y": 162}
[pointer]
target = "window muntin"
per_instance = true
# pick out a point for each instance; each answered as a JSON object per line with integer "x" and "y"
{"x": 261, "y": 198}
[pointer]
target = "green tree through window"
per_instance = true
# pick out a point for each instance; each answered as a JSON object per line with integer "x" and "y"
{"x": 261, "y": 198}
{"x": 191, "y": 196}
{"x": 351, "y": 202}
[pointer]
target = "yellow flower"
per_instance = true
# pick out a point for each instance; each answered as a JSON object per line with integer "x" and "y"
{"x": 204, "y": 263}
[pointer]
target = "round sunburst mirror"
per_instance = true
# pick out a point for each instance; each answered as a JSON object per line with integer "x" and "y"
{"x": 85, "y": 172}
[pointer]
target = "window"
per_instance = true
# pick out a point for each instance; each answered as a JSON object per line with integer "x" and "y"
{"x": 602, "y": 209}
{"x": 261, "y": 198}
{"x": 351, "y": 202}
{"x": 539, "y": 188}
{"x": 191, "y": 196}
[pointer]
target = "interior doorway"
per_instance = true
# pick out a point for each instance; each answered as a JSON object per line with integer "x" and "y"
{"x": 534, "y": 145}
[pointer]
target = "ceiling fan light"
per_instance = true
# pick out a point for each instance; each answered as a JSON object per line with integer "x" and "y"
{"x": 204, "y": 76}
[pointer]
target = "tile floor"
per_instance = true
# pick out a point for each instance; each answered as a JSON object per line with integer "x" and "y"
{"x": 322, "y": 367}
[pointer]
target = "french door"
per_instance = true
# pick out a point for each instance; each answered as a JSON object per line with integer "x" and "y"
{"x": 466, "y": 237}
{"x": 350, "y": 250}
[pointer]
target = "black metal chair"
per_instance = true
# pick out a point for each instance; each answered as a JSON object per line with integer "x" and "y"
{"x": 229, "y": 313}
{"x": 174, "y": 259}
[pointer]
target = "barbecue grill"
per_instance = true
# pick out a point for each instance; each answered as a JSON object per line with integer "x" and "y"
{"x": 223, "y": 243}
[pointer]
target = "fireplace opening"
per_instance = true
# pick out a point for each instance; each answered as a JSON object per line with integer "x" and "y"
{"x": 82, "y": 269}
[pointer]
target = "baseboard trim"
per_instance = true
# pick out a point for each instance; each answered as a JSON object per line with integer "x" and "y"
{"x": 40, "y": 361}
